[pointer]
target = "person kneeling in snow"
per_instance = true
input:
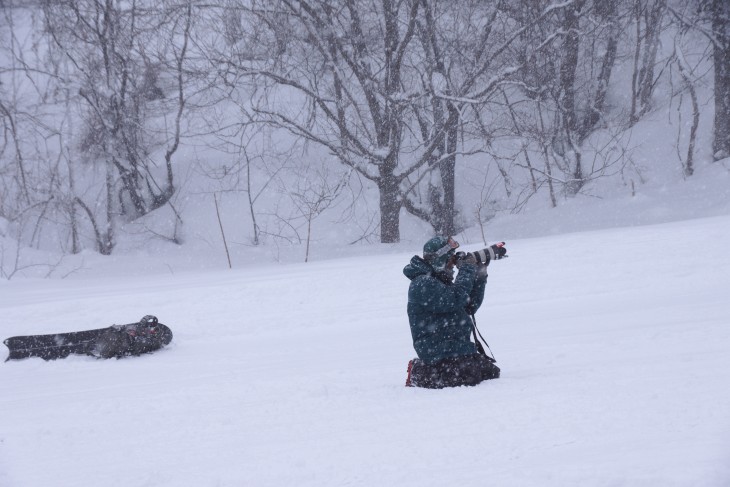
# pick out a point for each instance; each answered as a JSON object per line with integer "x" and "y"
{"x": 440, "y": 311}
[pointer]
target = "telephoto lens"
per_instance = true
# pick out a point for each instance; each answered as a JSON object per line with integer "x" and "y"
{"x": 482, "y": 256}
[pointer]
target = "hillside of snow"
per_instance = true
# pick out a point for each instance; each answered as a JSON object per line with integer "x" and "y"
{"x": 613, "y": 345}
{"x": 610, "y": 320}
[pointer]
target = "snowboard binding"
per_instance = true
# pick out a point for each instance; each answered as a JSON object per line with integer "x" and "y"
{"x": 149, "y": 321}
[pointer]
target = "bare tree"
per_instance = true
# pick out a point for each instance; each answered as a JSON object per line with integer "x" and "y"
{"x": 648, "y": 16}
{"x": 29, "y": 168}
{"x": 374, "y": 95}
{"x": 563, "y": 94}
{"x": 720, "y": 12}
{"x": 608, "y": 17}
{"x": 120, "y": 86}
{"x": 712, "y": 19}
{"x": 313, "y": 194}
{"x": 685, "y": 72}
{"x": 348, "y": 64}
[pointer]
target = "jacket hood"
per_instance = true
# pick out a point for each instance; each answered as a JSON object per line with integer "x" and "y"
{"x": 417, "y": 267}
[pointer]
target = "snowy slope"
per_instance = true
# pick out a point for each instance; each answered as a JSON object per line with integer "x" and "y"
{"x": 613, "y": 345}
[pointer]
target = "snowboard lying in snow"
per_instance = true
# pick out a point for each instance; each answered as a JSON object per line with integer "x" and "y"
{"x": 145, "y": 336}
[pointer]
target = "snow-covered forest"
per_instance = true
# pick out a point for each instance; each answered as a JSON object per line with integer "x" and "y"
{"x": 257, "y": 173}
{"x": 131, "y": 124}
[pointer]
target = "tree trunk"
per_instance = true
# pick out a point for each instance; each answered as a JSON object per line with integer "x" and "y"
{"x": 448, "y": 173}
{"x": 642, "y": 82}
{"x": 390, "y": 205}
{"x": 106, "y": 242}
{"x": 568, "y": 67}
{"x": 721, "y": 53}
{"x": 595, "y": 111}
{"x": 684, "y": 72}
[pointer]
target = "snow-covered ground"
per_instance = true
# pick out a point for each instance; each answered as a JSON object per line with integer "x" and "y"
{"x": 613, "y": 345}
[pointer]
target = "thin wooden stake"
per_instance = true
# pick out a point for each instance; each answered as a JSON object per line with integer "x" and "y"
{"x": 220, "y": 223}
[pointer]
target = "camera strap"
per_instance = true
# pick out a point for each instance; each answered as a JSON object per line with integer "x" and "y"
{"x": 480, "y": 348}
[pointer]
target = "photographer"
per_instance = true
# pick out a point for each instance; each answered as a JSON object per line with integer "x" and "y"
{"x": 440, "y": 310}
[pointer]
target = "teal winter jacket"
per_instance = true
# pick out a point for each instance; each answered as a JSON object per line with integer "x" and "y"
{"x": 438, "y": 311}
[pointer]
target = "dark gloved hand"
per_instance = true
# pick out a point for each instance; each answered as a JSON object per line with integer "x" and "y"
{"x": 462, "y": 258}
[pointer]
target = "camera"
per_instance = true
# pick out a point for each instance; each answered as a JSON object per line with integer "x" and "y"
{"x": 483, "y": 256}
